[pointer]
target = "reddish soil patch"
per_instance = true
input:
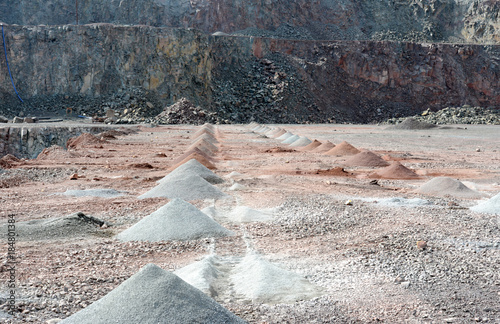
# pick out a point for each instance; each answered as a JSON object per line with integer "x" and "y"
{"x": 278, "y": 150}
{"x": 338, "y": 172}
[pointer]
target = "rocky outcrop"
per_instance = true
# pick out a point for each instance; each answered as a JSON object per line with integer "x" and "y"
{"x": 28, "y": 142}
{"x": 410, "y": 20}
{"x": 243, "y": 78}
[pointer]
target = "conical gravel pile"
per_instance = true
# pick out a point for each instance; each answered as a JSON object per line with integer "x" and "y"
{"x": 366, "y": 158}
{"x": 191, "y": 187}
{"x": 153, "y": 296}
{"x": 311, "y": 146}
{"x": 261, "y": 281}
{"x": 490, "y": 206}
{"x": 204, "y": 143}
{"x": 395, "y": 171}
{"x": 291, "y": 139}
{"x": 278, "y": 133}
{"x": 301, "y": 142}
{"x": 444, "y": 186}
{"x": 193, "y": 154}
{"x": 202, "y": 131}
{"x": 176, "y": 221}
{"x": 284, "y": 136}
{"x": 342, "y": 149}
{"x": 324, "y": 147}
{"x": 193, "y": 166}
{"x": 207, "y": 137}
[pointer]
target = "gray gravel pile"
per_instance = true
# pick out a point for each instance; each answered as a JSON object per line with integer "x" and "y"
{"x": 490, "y": 206}
{"x": 74, "y": 225}
{"x": 192, "y": 167}
{"x": 177, "y": 220}
{"x": 154, "y": 295}
{"x": 413, "y": 124}
{"x": 103, "y": 193}
{"x": 444, "y": 186}
{"x": 191, "y": 187}
{"x": 457, "y": 115}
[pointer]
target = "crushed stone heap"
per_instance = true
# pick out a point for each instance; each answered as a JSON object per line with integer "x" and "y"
{"x": 191, "y": 187}
{"x": 177, "y": 220}
{"x": 154, "y": 295}
{"x": 193, "y": 166}
{"x": 490, "y": 206}
{"x": 444, "y": 186}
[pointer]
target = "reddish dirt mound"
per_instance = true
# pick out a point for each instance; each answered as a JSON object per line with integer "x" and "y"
{"x": 54, "y": 152}
{"x": 278, "y": 150}
{"x": 338, "y": 171}
{"x": 366, "y": 158}
{"x": 141, "y": 166}
{"x": 85, "y": 139}
{"x": 395, "y": 171}
{"x": 200, "y": 158}
{"x": 314, "y": 144}
{"x": 193, "y": 151}
{"x": 343, "y": 148}
{"x": 8, "y": 161}
{"x": 324, "y": 147}
{"x": 277, "y": 133}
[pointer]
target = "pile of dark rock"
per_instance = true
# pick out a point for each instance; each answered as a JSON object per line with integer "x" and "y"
{"x": 457, "y": 115}
{"x": 184, "y": 112}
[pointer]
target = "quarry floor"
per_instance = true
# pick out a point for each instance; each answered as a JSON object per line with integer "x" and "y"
{"x": 363, "y": 254}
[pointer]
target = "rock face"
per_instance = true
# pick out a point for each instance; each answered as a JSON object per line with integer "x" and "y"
{"x": 413, "y": 20}
{"x": 28, "y": 142}
{"x": 241, "y": 78}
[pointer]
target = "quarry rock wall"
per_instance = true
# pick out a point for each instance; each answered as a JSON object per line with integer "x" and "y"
{"x": 410, "y": 20}
{"x": 243, "y": 78}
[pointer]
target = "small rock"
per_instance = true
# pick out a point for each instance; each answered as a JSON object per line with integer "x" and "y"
{"x": 405, "y": 284}
{"x": 4, "y": 119}
{"x": 29, "y": 120}
{"x": 17, "y": 120}
{"x": 421, "y": 245}
{"x": 53, "y": 321}
{"x": 74, "y": 176}
{"x": 348, "y": 203}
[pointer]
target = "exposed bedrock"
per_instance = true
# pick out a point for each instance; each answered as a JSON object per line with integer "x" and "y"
{"x": 241, "y": 78}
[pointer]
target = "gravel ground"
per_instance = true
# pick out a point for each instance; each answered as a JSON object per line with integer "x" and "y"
{"x": 404, "y": 261}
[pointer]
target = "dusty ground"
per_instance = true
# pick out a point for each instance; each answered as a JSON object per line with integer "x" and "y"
{"x": 364, "y": 255}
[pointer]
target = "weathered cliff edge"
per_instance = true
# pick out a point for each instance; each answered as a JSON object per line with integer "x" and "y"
{"x": 243, "y": 78}
{"x": 416, "y": 20}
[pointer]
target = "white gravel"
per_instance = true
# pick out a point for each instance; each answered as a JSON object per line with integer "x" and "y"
{"x": 490, "y": 206}
{"x": 259, "y": 280}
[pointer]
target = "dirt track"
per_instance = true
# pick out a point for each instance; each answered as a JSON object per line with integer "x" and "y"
{"x": 363, "y": 254}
